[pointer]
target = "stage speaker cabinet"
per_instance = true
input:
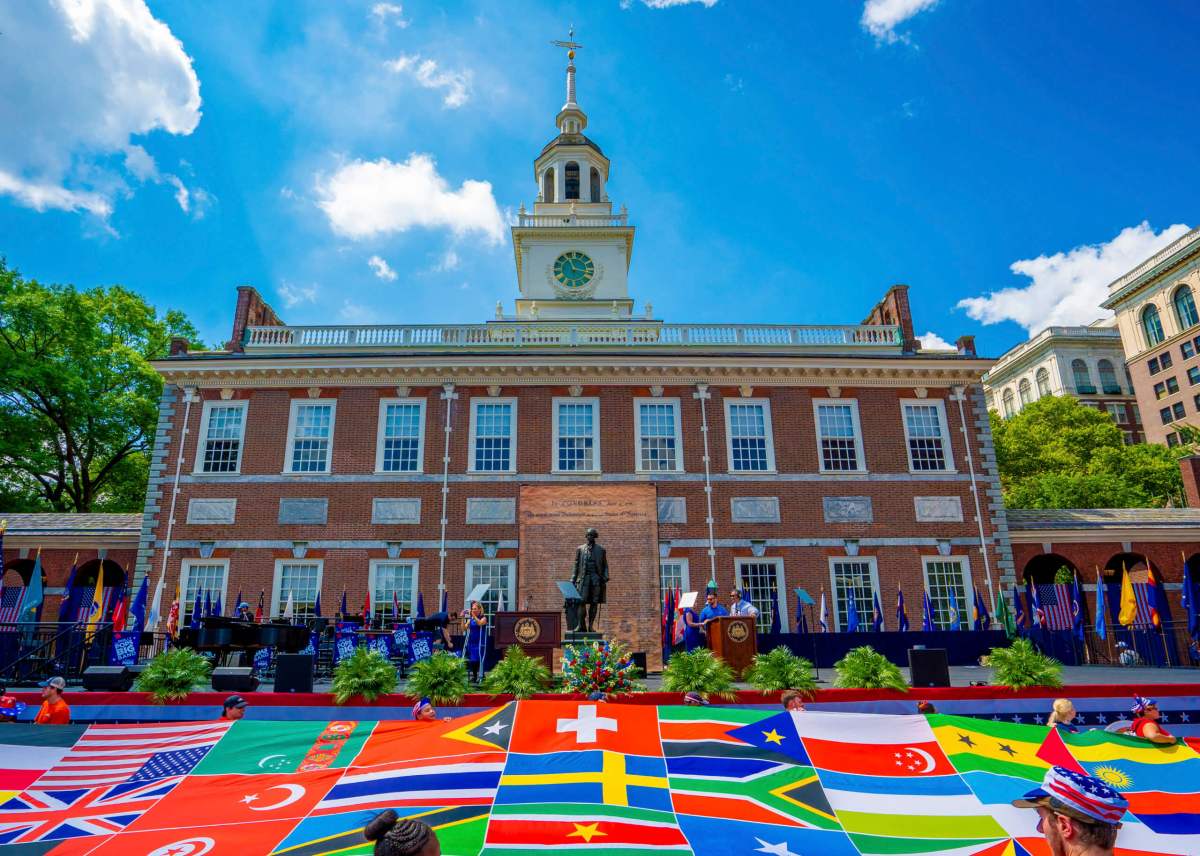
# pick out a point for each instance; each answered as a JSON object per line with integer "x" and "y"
{"x": 929, "y": 667}
{"x": 113, "y": 679}
{"x": 638, "y": 658}
{"x": 234, "y": 679}
{"x": 294, "y": 673}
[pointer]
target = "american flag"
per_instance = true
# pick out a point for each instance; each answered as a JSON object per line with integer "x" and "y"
{"x": 1141, "y": 594}
{"x": 55, "y": 815}
{"x": 10, "y": 602}
{"x": 1055, "y": 599}
{"x": 108, "y": 755}
{"x": 85, "y": 609}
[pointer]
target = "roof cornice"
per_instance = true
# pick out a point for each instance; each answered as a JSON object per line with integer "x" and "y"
{"x": 1174, "y": 254}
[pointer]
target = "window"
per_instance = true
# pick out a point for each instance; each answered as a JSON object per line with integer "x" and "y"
{"x": 501, "y": 576}
{"x": 673, "y": 575}
{"x": 1165, "y": 415}
{"x": 839, "y": 438}
{"x": 1042, "y": 379}
{"x": 1025, "y": 392}
{"x": 548, "y": 185}
{"x": 1196, "y": 402}
{"x": 1193, "y": 375}
{"x": 203, "y": 575}
{"x": 1137, "y": 414}
{"x": 1177, "y": 410}
{"x": 1152, "y": 325}
{"x": 386, "y": 577}
{"x": 1165, "y": 360}
{"x": 1008, "y": 403}
{"x": 748, "y": 430}
{"x": 1172, "y": 439}
{"x": 571, "y": 180}
{"x": 1160, "y": 389}
{"x": 310, "y": 435}
{"x": 1188, "y": 350}
{"x": 301, "y": 579}
{"x": 401, "y": 443}
{"x": 596, "y": 194}
{"x": 1116, "y": 411}
{"x": 222, "y": 429}
{"x": 576, "y": 435}
{"x": 1172, "y": 385}
{"x": 658, "y": 438}
{"x": 1185, "y": 308}
{"x": 943, "y": 576}
{"x": 492, "y": 440}
{"x": 1082, "y": 377}
{"x": 760, "y": 580}
{"x": 1108, "y": 378}
{"x": 1152, "y": 365}
{"x": 926, "y": 432}
{"x": 857, "y": 578}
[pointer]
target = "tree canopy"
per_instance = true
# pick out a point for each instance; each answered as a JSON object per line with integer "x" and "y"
{"x": 78, "y": 396}
{"x": 1058, "y": 453}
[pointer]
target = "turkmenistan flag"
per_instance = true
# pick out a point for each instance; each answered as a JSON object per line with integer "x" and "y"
{"x": 254, "y": 746}
{"x": 607, "y": 830}
{"x": 990, "y": 746}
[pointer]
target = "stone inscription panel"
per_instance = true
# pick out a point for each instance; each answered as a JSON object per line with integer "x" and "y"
{"x": 848, "y": 509}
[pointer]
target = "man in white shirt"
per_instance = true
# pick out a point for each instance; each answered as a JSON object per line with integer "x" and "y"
{"x": 738, "y": 605}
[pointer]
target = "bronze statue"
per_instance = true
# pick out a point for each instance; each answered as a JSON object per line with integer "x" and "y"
{"x": 591, "y": 577}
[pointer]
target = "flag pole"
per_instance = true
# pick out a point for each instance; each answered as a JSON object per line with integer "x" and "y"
{"x": 1154, "y": 593}
{"x": 1100, "y": 582}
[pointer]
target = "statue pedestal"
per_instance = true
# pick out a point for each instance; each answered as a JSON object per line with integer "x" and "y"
{"x": 581, "y": 637}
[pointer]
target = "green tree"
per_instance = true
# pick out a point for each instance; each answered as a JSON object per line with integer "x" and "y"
{"x": 1057, "y": 453}
{"x": 78, "y": 396}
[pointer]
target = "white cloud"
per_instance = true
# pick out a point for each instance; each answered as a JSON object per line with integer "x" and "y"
{"x": 79, "y": 80}
{"x": 1068, "y": 287}
{"x": 384, "y": 13}
{"x": 427, "y": 75}
{"x": 448, "y": 261}
{"x": 141, "y": 165}
{"x": 667, "y": 4}
{"x": 382, "y": 269}
{"x": 735, "y": 84}
{"x": 363, "y": 199}
{"x": 294, "y": 295}
{"x": 931, "y": 341}
{"x": 355, "y": 313}
{"x": 881, "y": 17}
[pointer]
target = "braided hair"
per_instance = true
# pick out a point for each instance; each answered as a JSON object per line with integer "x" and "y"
{"x": 394, "y": 836}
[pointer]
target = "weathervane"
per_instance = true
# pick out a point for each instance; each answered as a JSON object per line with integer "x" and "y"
{"x": 571, "y": 45}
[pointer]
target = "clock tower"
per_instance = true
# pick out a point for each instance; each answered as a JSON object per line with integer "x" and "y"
{"x": 572, "y": 252}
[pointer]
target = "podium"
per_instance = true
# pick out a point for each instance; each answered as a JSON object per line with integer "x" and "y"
{"x": 734, "y": 640}
{"x": 535, "y": 633}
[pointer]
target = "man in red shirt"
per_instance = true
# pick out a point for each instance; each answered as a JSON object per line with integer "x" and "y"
{"x": 54, "y": 710}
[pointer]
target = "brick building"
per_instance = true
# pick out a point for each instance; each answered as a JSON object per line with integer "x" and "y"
{"x": 429, "y": 458}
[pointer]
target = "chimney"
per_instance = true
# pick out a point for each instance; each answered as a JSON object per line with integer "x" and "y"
{"x": 965, "y": 345}
{"x": 179, "y": 346}
{"x": 251, "y": 311}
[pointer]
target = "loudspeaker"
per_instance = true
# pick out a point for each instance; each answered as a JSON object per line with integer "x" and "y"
{"x": 294, "y": 673}
{"x": 234, "y": 679}
{"x": 638, "y": 658}
{"x": 929, "y": 667}
{"x": 113, "y": 679}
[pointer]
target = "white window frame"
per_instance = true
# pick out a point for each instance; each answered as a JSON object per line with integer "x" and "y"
{"x": 637, "y": 434}
{"x": 372, "y": 575}
{"x": 780, "y": 588}
{"x": 185, "y": 572}
{"x": 512, "y": 435}
{"x": 594, "y": 402}
{"x": 768, "y": 429}
{"x": 510, "y": 594}
{"x": 872, "y": 563}
{"x": 295, "y": 405}
{"x": 947, "y": 446}
{"x": 277, "y": 580}
{"x": 859, "y": 452}
{"x": 202, "y": 436}
{"x": 384, "y": 403}
{"x": 684, "y": 574}
{"x": 964, "y": 609}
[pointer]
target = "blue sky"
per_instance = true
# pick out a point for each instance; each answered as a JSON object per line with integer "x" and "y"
{"x": 783, "y": 161}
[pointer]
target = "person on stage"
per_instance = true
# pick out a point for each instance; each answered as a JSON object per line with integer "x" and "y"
{"x": 693, "y": 630}
{"x": 476, "y": 642}
{"x": 712, "y": 609}
{"x": 244, "y": 613}
{"x": 738, "y": 605}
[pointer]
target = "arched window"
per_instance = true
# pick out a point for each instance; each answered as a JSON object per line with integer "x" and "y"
{"x": 548, "y": 185}
{"x": 1025, "y": 392}
{"x": 1108, "y": 378}
{"x": 1043, "y": 382}
{"x": 1007, "y": 398}
{"x": 1082, "y": 377}
{"x": 1185, "y": 308}
{"x": 1152, "y": 324}
{"x": 597, "y": 191}
{"x": 571, "y": 180}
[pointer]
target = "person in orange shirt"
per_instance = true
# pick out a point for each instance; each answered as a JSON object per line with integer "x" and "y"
{"x": 54, "y": 710}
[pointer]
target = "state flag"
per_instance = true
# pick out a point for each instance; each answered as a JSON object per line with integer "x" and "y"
{"x": 463, "y": 735}
{"x": 923, "y": 758}
{"x": 257, "y": 746}
{"x": 459, "y": 829}
{"x": 553, "y": 827}
{"x": 1004, "y": 748}
{"x": 776, "y": 733}
{"x": 457, "y": 780}
{"x": 561, "y": 726}
{"x": 723, "y": 836}
{"x": 596, "y": 776}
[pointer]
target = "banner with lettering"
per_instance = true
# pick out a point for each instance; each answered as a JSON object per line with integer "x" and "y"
{"x": 124, "y": 650}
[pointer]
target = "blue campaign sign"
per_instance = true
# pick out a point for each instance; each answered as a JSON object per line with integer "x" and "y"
{"x": 262, "y": 658}
{"x": 380, "y": 644}
{"x": 402, "y": 640}
{"x": 344, "y": 646}
{"x": 124, "y": 648}
{"x": 311, "y": 647}
{"x": 422, "y": 646}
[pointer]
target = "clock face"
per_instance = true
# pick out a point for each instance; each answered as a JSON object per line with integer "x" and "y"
{"x": 573, "y": 269}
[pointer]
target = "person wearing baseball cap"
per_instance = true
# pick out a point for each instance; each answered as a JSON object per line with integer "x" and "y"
{"x": 54, "y": 711}
{"x": 1078, "y": 814}
{"x": 234, "y": 708}
{"x": 694, "y": 699}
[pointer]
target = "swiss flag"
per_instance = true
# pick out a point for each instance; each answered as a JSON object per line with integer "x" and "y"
{"x": 565, "y": 726}
{"x": 874, "y": 759}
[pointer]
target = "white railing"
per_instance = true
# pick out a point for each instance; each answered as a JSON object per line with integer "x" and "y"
{"x": 536, "y": 334}
{"x": 576, "y": 221}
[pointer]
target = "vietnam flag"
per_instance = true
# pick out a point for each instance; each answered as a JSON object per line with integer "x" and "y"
{"x": 876, "y": 759}
{"x": 565, "y": 726}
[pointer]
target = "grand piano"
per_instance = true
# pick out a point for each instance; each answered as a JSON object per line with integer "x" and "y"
{"x": 224, "y": 636}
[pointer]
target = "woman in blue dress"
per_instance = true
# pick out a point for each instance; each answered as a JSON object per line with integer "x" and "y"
{"x": 475, "y": 645}
{"x": 693, "y": 636}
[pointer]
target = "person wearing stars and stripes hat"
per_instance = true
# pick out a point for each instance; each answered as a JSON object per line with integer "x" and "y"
{"x": 1078, "y": 814}
{"x": 1146, "y": 723}
{"x": 424, "y": 711}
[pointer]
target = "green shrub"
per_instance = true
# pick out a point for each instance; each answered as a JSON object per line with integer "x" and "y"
{"x": 173, "y": 674}
{"x": 1064, "y": 575}
{"x": 780, "y": 669}
{"x": 443, "y": 678}
{"x": 1022, "y": 665}
{"x": 867, "y": 669}
{"x": 699, "y": 671}
{"x": 365, "y": 673}
{"x": 517, "y": 674}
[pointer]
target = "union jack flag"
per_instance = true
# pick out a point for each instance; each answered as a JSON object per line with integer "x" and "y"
{"x": 54, "y": 815}
{"x": 1055, "y": 606}
{"x": 11, "y": 598}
